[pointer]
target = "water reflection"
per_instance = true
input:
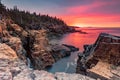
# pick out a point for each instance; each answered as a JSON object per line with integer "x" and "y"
{"x": 68, "y": 64}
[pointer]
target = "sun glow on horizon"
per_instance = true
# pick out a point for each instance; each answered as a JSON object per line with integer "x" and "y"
{"x": 78, "y": 25}
{"x": 81, "y": 13}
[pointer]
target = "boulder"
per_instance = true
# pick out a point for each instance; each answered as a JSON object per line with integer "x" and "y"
{"x": 72, "y": 48}
{"x": 59, "y": 51}
{"x": 6, "y": 52}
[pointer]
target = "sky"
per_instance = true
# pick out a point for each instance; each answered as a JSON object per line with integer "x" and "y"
{"x": 83, "y": 13}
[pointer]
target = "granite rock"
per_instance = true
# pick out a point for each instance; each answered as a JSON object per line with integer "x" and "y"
{"x": 99, "y": 57}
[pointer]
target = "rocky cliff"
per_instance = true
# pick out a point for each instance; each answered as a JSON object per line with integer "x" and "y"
{"x": 101, "y": 58}
{"x": 32, "y": 44}
{"x": 29, "y": 45}
{"x": 13, "y": 68}
{"x": 38, "y": 48}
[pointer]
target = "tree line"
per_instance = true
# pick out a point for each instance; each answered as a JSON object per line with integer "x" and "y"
{"x": 30, "y": 20}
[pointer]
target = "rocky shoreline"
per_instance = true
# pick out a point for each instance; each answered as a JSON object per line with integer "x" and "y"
{"x": 34, "y": 49}
{"x": 19, "y": 48}
{"x": 15, "y": 69}
{"x": 33, "y": 45}
{"x": 25, "y": 50}
{"x": 101, "y": 58}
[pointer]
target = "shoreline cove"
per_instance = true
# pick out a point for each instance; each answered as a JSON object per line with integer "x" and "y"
{"x": 79, "y": 40}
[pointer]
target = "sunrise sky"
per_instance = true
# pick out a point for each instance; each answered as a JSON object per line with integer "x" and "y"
{"x": 83, "y": 13}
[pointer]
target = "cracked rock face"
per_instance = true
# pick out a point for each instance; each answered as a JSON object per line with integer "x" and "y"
{"x": 30, "y": 46}
{"x": 12, "y": 68}
{"x": 101, "y": 57}
{"x": 40, "y": 56}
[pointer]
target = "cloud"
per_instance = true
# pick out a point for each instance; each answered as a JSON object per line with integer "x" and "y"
{"x": 93, "y": 7}
{"x": 93, "y": 20}
{"x": 84, "y": 12}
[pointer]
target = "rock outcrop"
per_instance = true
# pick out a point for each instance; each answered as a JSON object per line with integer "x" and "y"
{"x": 10, "y": 65}
{"x": 32, "y": 46}
{"x": 28, "y": 45}
{"x": 101, "y": 57}
{"x": 62, "y": 50}
{"x": 24, "y": 41}
{"x": 6, "y": 52}
{"x": 12, "y": 68}
{"x": 28, "y": 36}
{"x": 14, "y": 42}
{"x": 39, "y": 49}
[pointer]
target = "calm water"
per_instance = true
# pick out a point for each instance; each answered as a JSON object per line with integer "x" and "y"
{"x": 68, "y": 64}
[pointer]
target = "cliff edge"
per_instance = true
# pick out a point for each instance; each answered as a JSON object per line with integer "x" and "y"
{"x": 102, "y": 58}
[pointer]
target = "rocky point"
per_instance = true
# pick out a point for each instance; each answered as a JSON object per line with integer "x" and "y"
{"x": 102, "y": 59}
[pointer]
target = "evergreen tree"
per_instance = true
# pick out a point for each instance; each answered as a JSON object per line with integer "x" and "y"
{"x": 31, "y": 20}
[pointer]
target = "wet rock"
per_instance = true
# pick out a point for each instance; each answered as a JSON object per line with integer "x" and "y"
{"x": 81, "y": 32}
{"x": 72, "y": 48}
{"x": 60, "y": 51}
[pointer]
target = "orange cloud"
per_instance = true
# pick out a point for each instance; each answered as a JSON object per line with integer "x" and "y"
{"x": 97, "y": 20}
{"x": 81, "y": 15}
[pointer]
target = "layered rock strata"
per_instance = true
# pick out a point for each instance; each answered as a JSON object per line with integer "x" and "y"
{"x": 101, "y": 57}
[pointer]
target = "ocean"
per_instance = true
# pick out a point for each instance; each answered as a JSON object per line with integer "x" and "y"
{"x": 77, "y": 39}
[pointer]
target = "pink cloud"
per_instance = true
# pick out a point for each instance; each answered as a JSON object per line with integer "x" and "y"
{"x": 93, "y": 19}
{"x": 80, "y": 15}
{"x": 83, "y": 8}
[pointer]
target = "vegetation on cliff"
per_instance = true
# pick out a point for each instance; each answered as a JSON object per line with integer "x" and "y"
{"x": 29, "y": 20}
{"x": 27, "y": 34}
{"x": 32, "y": 21}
